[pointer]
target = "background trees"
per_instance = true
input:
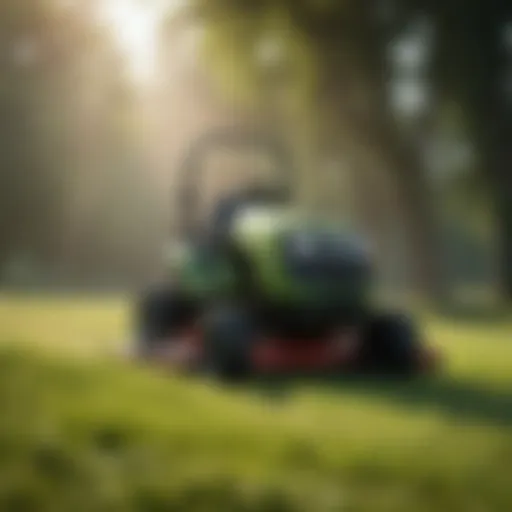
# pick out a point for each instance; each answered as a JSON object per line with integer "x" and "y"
{"x": 71, "y": 157}
{"x": 358, "y": 63}
{"x": 398, "y": 112}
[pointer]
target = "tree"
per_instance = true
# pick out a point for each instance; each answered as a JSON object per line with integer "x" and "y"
{"x": 24, "y": 181}
{"x": 70, "y": 158}
{"x": 345, "y": 78}
{"x": 473, "y": 63}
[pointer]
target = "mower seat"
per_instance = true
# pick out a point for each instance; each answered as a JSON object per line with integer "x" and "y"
{"x": 231, "y": 205}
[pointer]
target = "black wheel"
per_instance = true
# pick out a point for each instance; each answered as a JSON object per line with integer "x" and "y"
{"x": 391, "y": 345}
{"x": 160, "y": 313}
{"x": 229, "y": 335}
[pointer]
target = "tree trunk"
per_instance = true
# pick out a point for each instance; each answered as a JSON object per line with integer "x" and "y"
{"x": 417, "y": 204}
{"x": 498, "y": 160}
{"x": 505, "y": 241}
{"x": 473, "y": 67}
{"x": 357, "y": 96}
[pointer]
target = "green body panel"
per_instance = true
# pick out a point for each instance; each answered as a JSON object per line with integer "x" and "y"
{"x": 257, "y": 232}
{"x": 200, "y": 274}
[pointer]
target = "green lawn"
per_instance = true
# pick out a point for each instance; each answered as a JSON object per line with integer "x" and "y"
{"x": 80, "y": 431}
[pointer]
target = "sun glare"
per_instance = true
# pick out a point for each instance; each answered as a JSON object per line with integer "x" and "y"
{"x": 134, "y": 24}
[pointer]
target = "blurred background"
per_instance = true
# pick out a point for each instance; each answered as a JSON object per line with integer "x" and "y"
{"x": 398, "y": 117}
{"x": 398, "y": 114}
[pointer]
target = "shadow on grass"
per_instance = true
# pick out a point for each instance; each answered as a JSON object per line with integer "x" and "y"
{"x": 459, "y": 399}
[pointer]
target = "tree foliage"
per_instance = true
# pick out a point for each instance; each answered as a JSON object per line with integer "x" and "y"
{"x": 348, "y": 46}
{"x": 67, "y": 141}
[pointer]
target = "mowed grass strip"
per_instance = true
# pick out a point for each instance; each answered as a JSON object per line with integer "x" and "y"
{"x": 82, "y": 433}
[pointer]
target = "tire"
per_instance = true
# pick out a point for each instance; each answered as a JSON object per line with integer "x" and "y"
{"x": 391, "y": 345}
{"x": 229, "y": 336}
{"x": 160, "y": 313}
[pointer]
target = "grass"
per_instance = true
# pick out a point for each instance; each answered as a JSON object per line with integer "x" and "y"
{"x": 81, "y": 431}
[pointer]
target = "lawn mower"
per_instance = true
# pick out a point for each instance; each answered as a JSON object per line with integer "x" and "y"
{"x": 264, "y": 287}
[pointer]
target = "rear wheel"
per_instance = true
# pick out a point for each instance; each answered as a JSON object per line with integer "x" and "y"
{"x": 229, "y": 335}
{"x": 391, "y": 346}
{"x": 161, "y": 313}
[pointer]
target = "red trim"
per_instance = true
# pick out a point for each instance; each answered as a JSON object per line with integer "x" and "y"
{"x": 274, "y": 355}
{"x": 317, "y": 355}
{"x": 278, "y": 355}
{"x": 429, "y": 360}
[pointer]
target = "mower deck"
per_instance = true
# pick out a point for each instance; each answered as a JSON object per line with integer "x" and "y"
{"x": 338, "y": 354}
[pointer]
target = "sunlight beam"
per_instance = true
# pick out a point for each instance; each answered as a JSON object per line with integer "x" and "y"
{"x": 134, "y": 24}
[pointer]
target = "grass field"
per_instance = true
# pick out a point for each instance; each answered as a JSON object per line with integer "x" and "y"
{"x": 81, "y": 431}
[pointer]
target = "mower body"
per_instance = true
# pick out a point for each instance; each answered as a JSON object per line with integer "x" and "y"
{"x": 282, "y": 256}
{"x": 268, "y": 287}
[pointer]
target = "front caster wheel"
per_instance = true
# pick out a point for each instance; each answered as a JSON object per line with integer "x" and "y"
{"x": 392, "y": 346}
{"x": 229, "y": 336}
